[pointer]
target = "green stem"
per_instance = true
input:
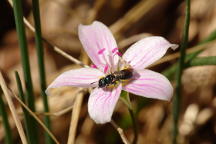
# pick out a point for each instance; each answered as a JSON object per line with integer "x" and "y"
{"x": 40, "y": 55}
{"x": 18, "y": 13}
{"x": 135, "y": 127}
{"x": 5, "y": 122}
{"x": 126, "y": 99}
{"x": 177, "y": 98}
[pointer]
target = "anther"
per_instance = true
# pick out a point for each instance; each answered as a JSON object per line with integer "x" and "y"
{"x": 106, "y": 68}
{"x": 93, "y": 66}
{"x": 119, "y": 54}
{"x": 114, "y": 50}
{"x": 101, "y": 51}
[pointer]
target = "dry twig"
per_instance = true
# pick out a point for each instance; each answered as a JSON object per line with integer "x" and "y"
{"x": 36, "y": 118}
{"x": 133, "y": 15}
{"x": 75, "y": 117}
{"x": 58, "y": 113}
{"x": 69, "y": 57}
{"x": 121, "y": 132}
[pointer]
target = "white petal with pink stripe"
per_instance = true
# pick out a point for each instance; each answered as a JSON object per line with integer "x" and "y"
{"x": 84, "y": 77}
{"x": 98, "y": 42}
{"x": 147, "y": 51}
{"x": 150, "y": 84}
{"x": 102, "y": 102}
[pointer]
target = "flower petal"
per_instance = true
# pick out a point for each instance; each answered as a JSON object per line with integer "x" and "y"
{"x": 150, "y": 84}
{"x": 147, "y": 51}
{"x": 84, "y": 77}
{"x": 102, "y": 102}
{"x": 99, "y": 43}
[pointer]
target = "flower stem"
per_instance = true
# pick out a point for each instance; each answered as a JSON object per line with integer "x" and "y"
{"x": 134, "y": 121}
{"x": 126, "y": 99}
{"x": 177, "y": 98}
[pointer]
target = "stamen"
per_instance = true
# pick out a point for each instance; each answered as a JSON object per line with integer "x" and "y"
{"x": 106, "y": 68}
{"x": 114, "y": 50}
{"x": 101, "y": 51}
{"x": 119, "y": 54}
{"x": 93, "y": 66}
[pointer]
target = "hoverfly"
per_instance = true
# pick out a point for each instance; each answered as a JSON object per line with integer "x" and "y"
{"x": 113, "y": 78}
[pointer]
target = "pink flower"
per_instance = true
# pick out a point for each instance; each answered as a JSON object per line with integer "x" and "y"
{"x": 102, "y": 49}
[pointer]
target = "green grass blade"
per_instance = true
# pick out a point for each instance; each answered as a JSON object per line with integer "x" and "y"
{"x": 27, "y": 119}
{"x": 169, "y": 73}
{"x": 211, "y": 37}
{"x": 5, "y": 122}
{"x": 18, "y": 13}
{"x": 177, "y": 98}
{"x": 189, "y": 57}
{"x": 211, "y": 60}
{"x": 40, "y": 55}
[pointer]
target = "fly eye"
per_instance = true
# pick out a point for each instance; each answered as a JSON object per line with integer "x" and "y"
{"x": 107, "y": 79}
{"x": 102, "y": 83}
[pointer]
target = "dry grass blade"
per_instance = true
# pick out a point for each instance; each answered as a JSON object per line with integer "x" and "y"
{"x": 62, "y": 4}
{"x": 75, "y": 117}
{"x": 134, "y": 15}
{"x": 121, "y": 132}
{"x": 58, "y": 113}
{"x": 13, "y": 110}
{"x": 128, "y": 41}
{"x": 36, "y": 118}
{"x": 69, "y": 57}
{"x": 94, "y": 11}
